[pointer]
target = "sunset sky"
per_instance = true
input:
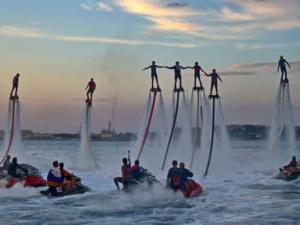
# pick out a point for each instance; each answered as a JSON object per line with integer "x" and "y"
{"x": 58, "y": 45}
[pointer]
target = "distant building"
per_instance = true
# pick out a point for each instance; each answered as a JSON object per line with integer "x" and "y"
{"x": 109, "y": 133}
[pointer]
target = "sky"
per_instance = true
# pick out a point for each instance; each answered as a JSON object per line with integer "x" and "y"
{"x": 58, "y": 45}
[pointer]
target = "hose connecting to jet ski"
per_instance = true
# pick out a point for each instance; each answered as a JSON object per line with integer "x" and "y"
{"x": 172, "y": 130}
{"x": 282, "y": 116}
{"x": 199, "y": 118}
{"x": 12, "y": 129}
{"x": 214, "y": 97}
{"x": 148, "y": 125}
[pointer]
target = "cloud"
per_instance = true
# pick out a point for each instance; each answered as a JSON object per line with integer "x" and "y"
{"x": 172, "y": 18}
{"x": 97, "y": 6}
{"x": 88, "y": 6}
{"x": 101, "y": 6}
{"x": 224, "y": 20}
{"x": 267, "y": 46}
{"x": 229, "y": 15}
{"x": 258, "y": 68}
{"x": 20, "y": 32}
{"x": 237, "y": 73}
{"x": 177, "y": 5}
{"x": 32, "y": 33}
{"x": 269, "y": 15}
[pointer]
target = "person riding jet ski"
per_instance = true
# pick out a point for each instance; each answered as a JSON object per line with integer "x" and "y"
{"x": 54, "y": 178}
{"x": 290, "y": 171}
{"x": 174, "y": 176}
{"x": 6, "y": 163}
{"x": 126, "y": 174}
{"x": 13, "y": 169}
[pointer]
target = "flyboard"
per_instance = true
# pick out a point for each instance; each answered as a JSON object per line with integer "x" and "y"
{"x": 153, "y": 100}
{"x": 177, "y": 92}
{"x": 199, "y": 121}
{"x": 13, "y": 101}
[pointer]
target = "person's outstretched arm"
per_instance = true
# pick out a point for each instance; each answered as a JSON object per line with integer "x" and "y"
{"x": 168, "y": 178}
{"x": 219, "y": 78}
{"x": 189, "y": 173}
{"x": 147, "y": 67}
{"x": 169, "y": 67}
{"x": 288, "y": 63}
{"x": 160, "y": 66}
{"x": 202, "y": 70}
{"x": 182, "y": 67}
{"x": 87, "y": 86}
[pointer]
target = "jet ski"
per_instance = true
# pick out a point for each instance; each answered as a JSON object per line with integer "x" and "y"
{"x": 145, "y": 182}
{"x": 78, "y": 188}
{"x": 190, "y": 189}
{"x": 32, "y": 178}
{"x": 288, "y": 174}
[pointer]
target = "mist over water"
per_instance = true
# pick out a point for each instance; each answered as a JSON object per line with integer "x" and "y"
{"x": 282, "y": 127}
{"x": 239, "y": 188}
{"x": 249, "y": 195}
{"x": 86, "y": 157}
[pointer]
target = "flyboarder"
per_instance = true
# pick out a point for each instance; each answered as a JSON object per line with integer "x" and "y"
{"x": 197, "y": 70}
{"x": 91, "y": 86}
{"x": 282, "y": 65}
{"x": 15, "y": 86}
{"x": 154, "y": 75}
{"x": 214, "y": 81}
{"x": 177, "y": 72}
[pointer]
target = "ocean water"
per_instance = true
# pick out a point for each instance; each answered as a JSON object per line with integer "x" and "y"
{"x": 249, "y": 194}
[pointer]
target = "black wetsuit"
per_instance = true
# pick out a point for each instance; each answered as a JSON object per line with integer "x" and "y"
{"x": 185, "y": 173}
{"x": 214, "y": 81}
{"x": 154, "y": 74}
{"x": 15, "y": 85}
{"x": 177, "y": 74}
{"x": 6, "y": 164}
{"x": 12, "y": 170}
{"x": 282, "y": 64}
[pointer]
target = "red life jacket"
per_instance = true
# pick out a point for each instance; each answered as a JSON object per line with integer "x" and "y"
{"x": 197, "y": 69}
{"x": 65, "y": 173}
{"x": 175, "y": 180}
{"x": 92, "y": 85}
{"x": 126, "y": 171}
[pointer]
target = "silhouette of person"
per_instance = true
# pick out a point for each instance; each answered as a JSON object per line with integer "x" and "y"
{"x": 177, "y": 72}
{"x": 154, "y": 74}
{"x": 282, "y": 64}
{"x": 91, "y": 86}
{"x": 15, "y": 86}
{"x": 197, "y": 70}
{"x": 214, "y": 81}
